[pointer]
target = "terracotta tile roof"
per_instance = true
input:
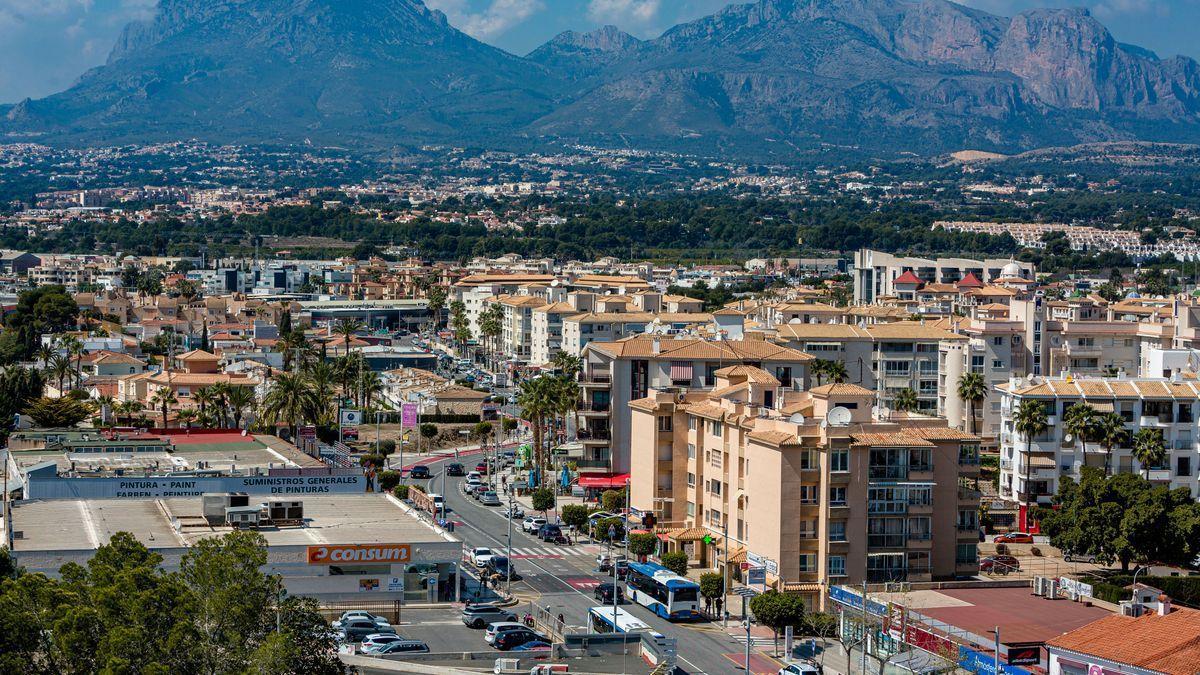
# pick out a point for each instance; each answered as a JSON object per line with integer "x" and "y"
{"x": 1165, "y": 644}
{"x": 907, "y": 278}
{"x": 823, "y": 331}
{"x": 725, "y": 391}
{"x": 910, "y": 330}
{"x": 706, "y": 410}
{"x": 774, "y": 437}
{"x": 479, "y": 279}
{"x": 198, "y": 355}
{"x": 842, "y": 389}
{"x": 688, "y": 534}
{"x": 642, "y": 346}
{"x": 902, "y": 439}
{"x": 199, "y": 379}
{"x": 940, "y": 434}
{"x": 1109, "y": 388}
{"x": 752, "y": 374}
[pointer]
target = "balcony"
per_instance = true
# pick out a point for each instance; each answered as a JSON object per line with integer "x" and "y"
{"x": 1160, "y": 475}
{"x": 593, "y": 464}
{"x": 597, "y": 378}
{"x": 886, "y": 540}
{"x": 968, "y": 494}
{"x": 1154, "y": 421}
{"x": 887, "y": 473}
{"x": 596, "y": 434}
{"x": 593, "y": 408}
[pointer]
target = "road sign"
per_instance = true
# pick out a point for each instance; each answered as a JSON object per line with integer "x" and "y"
{"x": 756, "y": 575}
{"x": 755, "y": 559}
{"x": 612, "y": 532}
{"x": 408, "y": 415}
{"x": 351, "y": 417}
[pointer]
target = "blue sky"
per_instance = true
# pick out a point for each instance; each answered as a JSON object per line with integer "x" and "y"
{"x": 46, "y": 44}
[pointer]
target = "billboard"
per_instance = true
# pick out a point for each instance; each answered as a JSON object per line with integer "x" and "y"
{"x": 55, "y": 487}
{"x": 335, "y": 554}
{"x": 408, "y": 415}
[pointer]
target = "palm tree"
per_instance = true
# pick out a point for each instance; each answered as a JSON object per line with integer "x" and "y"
{"x": 836, "y": 371}
{"x": 1149, "y": 449}
{"x": 972, "y": 389}
{"x": 568, "y": 364}
{"x": 905, "y": 400}
{"x": 818, "y": 369}
{"x": 1078, "y": 421}
{"x": 74, "y": 348}
{"x": 205, "y": 397}
{"x": 346, "y": 371}
{"x": 536, "y": 403}
{"x": 1108, "y": 429}
{"x": 43, "y": 354}
{"x": 240, "y": 399}
{"x": 1029, "y": 420}
{"x": 437, "y": 296}
{"x": 60, "y": 369}
{"x": 295, "y": 349}
{"x": 163, "y": 398}
{"x": 291, "y": 401}
{"x": 566, "y": 400}
{"x": 220, "y": 392}
{"x": 322, "y": 376}
{"x": 491, "y": 325}
{"x": 186, "y": 417}
{"x": 347, "y": 328}
{"x": 369, "y": 385}
{"x": 128, "y": 409}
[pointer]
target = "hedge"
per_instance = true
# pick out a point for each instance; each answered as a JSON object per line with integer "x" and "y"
{"x": 1183, "y": 590}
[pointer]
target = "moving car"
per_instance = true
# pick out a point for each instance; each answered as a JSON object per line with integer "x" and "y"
{"x": 605, "y": 561}
{"x": 801, "y": 668}
{"x": 999, "y": 564}
{"x": 480, "y": 555}
{"x": 532, "y": 524}
{"x": 515, "y": 511}
{"x": 499, "y": 564}
{"x": 375, "y": 642}
{"x": 604, "y": 593}
{"x": 478, "y": 616}
{"x": 500, "y": 627}
{"x": 489, "y": 498}
{"x": 358, "y": 614}
{"x": 419, "y": 472}
{"x": 1014, "y": 538}
{"x": 455, "y": 469}
{"x": 549, "y": 532}
{"x": 403, "y": 646}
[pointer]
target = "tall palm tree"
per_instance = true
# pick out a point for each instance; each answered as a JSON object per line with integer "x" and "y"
{"x": 74, "y": 349}
{"x": 491, "y": 326}
{"x": 836, "y": 371}
{"x": 459, "y": 322}
{"x": 1030, "y": 421}
{"x": 220, "y": 392}
{"x": 566, "y": 401}
{"x": 323, "y": 378}
{"x": 205, "y": 398}
{"x": 1079, "y": 420}
{"x": 60, "y": 369}
{"x": 294, "y": 347}
{"x": 347, "y": 328}
{"x": 1149, "y": 449}
{"x": 369, "y": 386}
{"x": 186, "y": 417}
{"x": 163, "y": 399}
{"x": 43, "y": 354}
{"x": 437, "y": 297}
{"x": 128, "y": 409}
{"x": 1108, "y": 429}
{"x": 905, "y": 400}
{"x": 347, "y": 370}
{"x": 240, "y": 399}
{"x": 972, "y": 388}
{"x": 536, "y": 403}
{"x": 290, "y": 401}
{"x": 568, "y": 364}
{"x": 818, "y": 369}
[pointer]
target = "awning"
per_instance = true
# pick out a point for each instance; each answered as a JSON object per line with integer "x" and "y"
{"x": 603, "y": 480}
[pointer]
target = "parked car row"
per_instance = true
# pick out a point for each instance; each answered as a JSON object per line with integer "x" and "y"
{"x": 503, "y": 629}
{"x": 372, "y": 634}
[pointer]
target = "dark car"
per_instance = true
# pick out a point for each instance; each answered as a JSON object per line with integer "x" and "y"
{"x": 419, "y": 472}
{"x": 479, "y": 616}
{"x": 358, "y": 629}
{"x": 549, "y": 532}
{"x": 455, "y": 469}
{"x": 403, "y": 647}
{"x": 499, "y": 565}
{"x": 604, "y": 593}
{"x": 515, "y": 638}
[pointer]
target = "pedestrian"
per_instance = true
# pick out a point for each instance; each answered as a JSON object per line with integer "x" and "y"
{"x": 720, "y": 604}
{"x": 561, "y": 620}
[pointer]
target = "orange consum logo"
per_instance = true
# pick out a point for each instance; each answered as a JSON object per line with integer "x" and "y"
{"x": 341, "y": 554}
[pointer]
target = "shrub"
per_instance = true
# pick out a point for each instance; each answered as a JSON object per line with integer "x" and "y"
{"x": 387, "y": 448}
{"x": 428, "y": 430}
{"x": 510, "y": 424}
{"x": 642, "y": 544}
{"x": 400, "y": 492}
{"x": 676, "y": 561}
{"x": 612, "y": 500}
{"x": 575, "y": 515}
{"x": 710, "y": 584}
{"x": 388, "y": 480}
{"x": 371, "y": 459}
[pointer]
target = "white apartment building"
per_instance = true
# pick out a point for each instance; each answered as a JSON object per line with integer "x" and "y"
{"x": 1168, "y": 404}
{"x": 875, "y": 272}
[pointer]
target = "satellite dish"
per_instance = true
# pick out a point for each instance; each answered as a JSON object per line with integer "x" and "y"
{"x": 838, "y": 416}
{"x": 1067, "y": 438}
{"x": 796, "y": 418}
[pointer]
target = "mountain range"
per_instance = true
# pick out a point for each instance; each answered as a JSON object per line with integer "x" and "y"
{"x": 768, "y": 78}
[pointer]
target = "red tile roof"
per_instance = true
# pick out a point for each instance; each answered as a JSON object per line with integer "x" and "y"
{"x": 908, "y": 278}
{"x": 1165, "y": 644}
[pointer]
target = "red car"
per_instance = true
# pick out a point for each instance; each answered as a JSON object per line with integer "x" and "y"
{"x": 1014, "y": 538}
{"x": 482, "y": 467}
{"x": 999, "y": 564}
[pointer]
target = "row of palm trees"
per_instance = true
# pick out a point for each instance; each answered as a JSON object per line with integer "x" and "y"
{"x": 546, "y": 403}
{"x": 1085, "y": 423}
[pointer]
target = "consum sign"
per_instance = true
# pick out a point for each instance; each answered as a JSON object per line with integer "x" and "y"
{"x": 341, "y": 554}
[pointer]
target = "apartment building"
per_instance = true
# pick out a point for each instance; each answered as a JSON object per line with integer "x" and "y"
{"x": 1030, "y": 469}
{"x": 885, "y": 358}
{"x": 516, "y": 327}
{"x": 475, "y": 290}
{"x": 840, "y": 496}
{"x": 875, "y": 272}
{"x": 618, "y": 372}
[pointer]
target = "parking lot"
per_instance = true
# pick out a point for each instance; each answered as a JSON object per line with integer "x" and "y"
{"x": 442, "y": 629}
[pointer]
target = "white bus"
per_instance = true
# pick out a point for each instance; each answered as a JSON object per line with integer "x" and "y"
{"x": 603, "y": 620}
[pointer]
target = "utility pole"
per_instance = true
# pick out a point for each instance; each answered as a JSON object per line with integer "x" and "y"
{"x": 746, "y": 623}
{"x": 724, "y": 570}
{"x": 508, "y": 568}
{"x": 865, "y": 635}
{"x": 996, "y": 653}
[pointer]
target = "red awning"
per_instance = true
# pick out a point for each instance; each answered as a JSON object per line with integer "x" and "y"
{"x": 603, "y": 480}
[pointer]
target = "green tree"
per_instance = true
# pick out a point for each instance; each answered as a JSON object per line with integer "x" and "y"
{"x": 711, "y": 585}
{"x": 613, "y": 501}
{"x": 676, "y": 561}
{"x": 1149, "y": 449}
{"x": 642, "y": 544}
{"x": 777, "y": 611}
{"x": 491, "y": 326}
{"x": 973, "y": 389}
{"x": 905, "y": 400}
{"x": 536, "y": 398}
{"x": 41, "y": 311}
{"x": 437, "y": 296}
{"x": 543, "y": 499}
{"x": 428, "y": 430}
{"x": 1030, "y": 421}
{"x": 1108, "y": 429}
{"x": 163, "y": 398}
{"x": 836, "y": 371}
{"x": 575, "y": 515}
{"x": 240, "y": 400}
{"x": 603, "y": 525}
{"x": 1080, "y": 420}
{"x": 290, "y": 401}
{"x": 57, "y": 413}
{"x": 459, "y": 323}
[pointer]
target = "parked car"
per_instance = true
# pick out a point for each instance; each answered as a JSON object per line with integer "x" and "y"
{"x": 419, "y": 472}
{"x": 1071, "y": 556}
{"x": 532, "y": 646}
{"x": 478, "y": 616}
{"x": 358, "y": 629}
{"x": 549, "y": 532}
{"x": 373, "y": 643}
{"x": 1014, "y": 538}
{"x": 999, "y": 564}
{"x": 404, "y": 646}
{"x": 479, "y": 490}
{"x": 489, "y": 498}
{"x": 501, "y": 627}
{"x": 454, "y": 469}
{"x": 515, "y": 511}
{"x": 532, "y": 524}
{"x": 481, "y": 555}
{"x": 482, "y": 468}
{"x": 801, "y": 668}
{"x": 605, "y": 561}
{"x": 358, "y": 614}
{"x": 510, "y": 639}
{"x": 604, "y": 593}
{"x": 622, "y": 564}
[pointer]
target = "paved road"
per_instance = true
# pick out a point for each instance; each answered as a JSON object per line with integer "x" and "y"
{"x": 562, "y": 578}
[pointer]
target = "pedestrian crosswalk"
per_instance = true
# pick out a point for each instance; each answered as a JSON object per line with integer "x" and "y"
{"x": 544, "y": 552}
{"x": 755, "y": 641}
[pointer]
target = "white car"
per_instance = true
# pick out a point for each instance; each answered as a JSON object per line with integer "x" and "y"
{"x": 373, "y": 643}
{"x": 357, "y": 615}
{"x": 532, "y": 523}
{"x": 481, "y": 555}
{"x": 801, "y": 668}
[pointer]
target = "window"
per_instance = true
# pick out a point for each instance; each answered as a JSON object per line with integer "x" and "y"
{"x": 1183, "y": 466}
{"x": 714, "y": 428}
{"x": 837, "y": 530}
{"x": 809, "y": 494}
{"x": 714, "y": 486}
{"x": 839, "y": 459}
{"x": 998, "y": 341}
{"x": 691, "y": 451}
{"x": 976, "y": 362}
{"x": 691, "y": 478}
{"x": 837, "y": 496}
{"x": 808, "y": 460}
{"x": 784, "y": 375}
{"x": 691, "y": 424}
{"x": 664, "y": 423}
{"x": 837, "y": 565}
{"x": 966, "y": 554}
{"x": 808, "y": 562}
{"x": 691, "y": 509}
{"x": 997, "y": 364}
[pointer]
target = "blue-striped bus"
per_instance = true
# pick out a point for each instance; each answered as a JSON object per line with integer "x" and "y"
{"x": 667, "y": 594}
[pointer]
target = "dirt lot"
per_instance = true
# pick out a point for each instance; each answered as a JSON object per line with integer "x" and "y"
{"x": 1041, "y": 560}
{"x": 449, "y": 436}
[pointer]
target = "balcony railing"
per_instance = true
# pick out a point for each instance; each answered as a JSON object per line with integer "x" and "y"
{"x": 888, "y": 472}
{"x": 593, "y": 463}
{"x": 595, "y": 406}
{"x": 886, "y": 540}
{"x": 595, "y": 435}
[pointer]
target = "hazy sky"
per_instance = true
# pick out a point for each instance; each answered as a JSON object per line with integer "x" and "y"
{"x": 46, "y": 44}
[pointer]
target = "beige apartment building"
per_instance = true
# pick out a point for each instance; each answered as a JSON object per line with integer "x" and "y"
{"x": 809, "y": 481}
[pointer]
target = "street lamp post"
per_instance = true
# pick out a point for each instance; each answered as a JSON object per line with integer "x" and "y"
{"x": 746, "y": 623}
